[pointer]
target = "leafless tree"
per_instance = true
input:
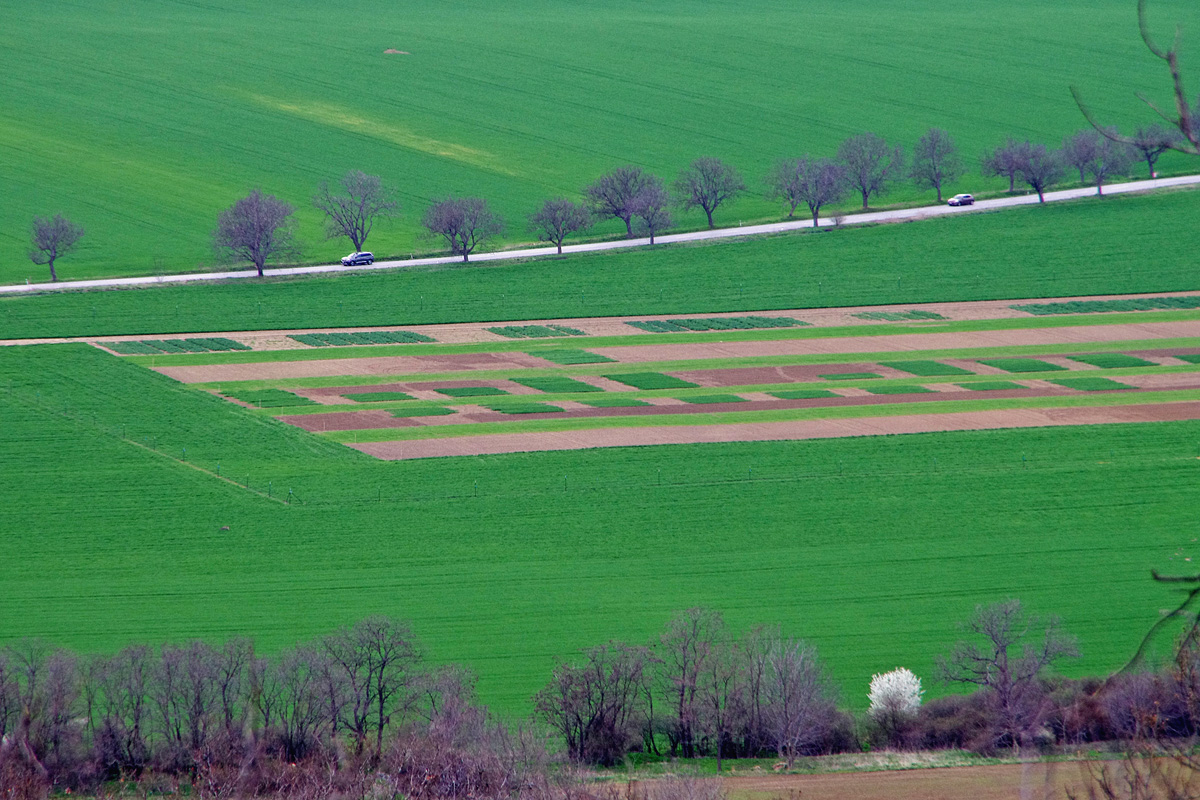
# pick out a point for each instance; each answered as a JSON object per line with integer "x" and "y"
{"x": 464, "y": 222}
{"x": 936, "y": 161}
{"x": 1079, "y": 150}
{"x": 47, "y": 681}
{"x": 722, "y": 683}
{"x": 1008, "y": 651}
{"x": 1040, "y": 168}
{"x": 258, "y": 228}
{"x": 352, "y": 213}
{"x": 686, "y": 648}
{"x": 595, "y": 705}
{"x": 123, "y": 725}
{"x": 557, "y": 219}
{"x": 1005, "y": 160}
{"x": 290, "y": 700}
{"x": 10, "y": 703}
{"x": 613, "y": 194}
{"x": 797, "y": 697}
{"x": 652, "y": 207}
{"x": 1151, "y": 141}
{"x": 706, "y": 183}
{"x": 1182, "y": 118}
{"x": 1110, "y": 159}
{"x": 377, "y": 658}
{"x": 52, "y": 239}
{"x": 871, "y": 164}
{"x": 184, "y": 696}
{"x": 812, "y": 181}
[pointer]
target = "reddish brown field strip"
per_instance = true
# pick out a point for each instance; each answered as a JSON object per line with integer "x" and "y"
{"x": 777, "y": 431}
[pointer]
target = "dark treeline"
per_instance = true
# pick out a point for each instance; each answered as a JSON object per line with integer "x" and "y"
{"x": 360, "y": 708}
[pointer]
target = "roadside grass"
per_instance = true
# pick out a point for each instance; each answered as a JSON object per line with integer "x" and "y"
{"x": 1112, "y": 360}
{"x": 925, "y": 368}
{"x": 501, "y": 562}
{"x": 1115, "y": 245}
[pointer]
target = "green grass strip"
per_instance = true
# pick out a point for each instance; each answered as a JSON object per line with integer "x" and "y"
{"x": 422, "y": 411}
{"x": 803, "y": 394}
{"x": 1191, "y": 358}
{"x": 374, "y": 397}
{"x": 1112, "y": 360}
{"x": 651, "y": 380}
{"x": 614, "y": 402}
{"x": 925, "y": 368}
{"x": 901, "y": 389}
{"x": 470, "y": 391}
{"x": 712, "y": 399}
{"x": 1021, "y": 365}
{"x": 557, "y": 385}
{"x": 1091, "y": 384}
{"x": 851, "y": 376}
{"x": 991, "y": 386}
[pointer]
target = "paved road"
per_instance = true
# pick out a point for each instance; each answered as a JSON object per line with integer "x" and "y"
{"x": 923, "y": 212}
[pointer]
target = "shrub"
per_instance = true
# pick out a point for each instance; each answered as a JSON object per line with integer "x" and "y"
{"x": 895, "y": 699}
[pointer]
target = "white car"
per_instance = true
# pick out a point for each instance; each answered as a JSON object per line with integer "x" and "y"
{"x": 354, "y": 259}
{"x": 961, "y": 200}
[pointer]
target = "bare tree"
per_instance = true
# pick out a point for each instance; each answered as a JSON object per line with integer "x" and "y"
{"x": 706, "y": 183}
{"x": 52, "y": 239}
{"x": 1151, "y": 141}
{"x": 258, "y": 228}
{"x": 1079, "y": 150}
{"x": 812, "y": 181}
{"x": 595, "y": 706}
{"x": 1005, "y": 160}
{"x": 557, "y": 219}
{"x": 871, "y": 164}
{"x": 614, "y": 194}
{"x": 290, "y": 701}
{"x": 686, "y": 647}
{"x": 936, "y": 161}
{"x": 652, "y": 207}
{"x": 352, "y": 213}
{"x": 1009, "y": 650}
{"x": 1182, "y": 118}
{"x": 1110, "y": 158}
{"x": 122, "y": 684}
{"x": 797, "y": 697}
{"x": 1040, "y": 168}
{"x": 464, "y": 222}
{"x": 722, "y": 683}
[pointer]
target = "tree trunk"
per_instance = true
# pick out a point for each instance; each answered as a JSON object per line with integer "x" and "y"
{"x": 939, "y": 192}
{"x": 651, "y": 236}
{"x": 1041, "y": 197}
{"x": 865, "y": 195}
{"x": 260, "y": 264}
{"x": 816, "y": 221}
{"x": 629, "y": 227}
{"x": 465, "y": 254}
{"x": 709, "y": 213}
{"x": 1012, "y": 182}
{"x": 1099, "y": 188}
{"x": 53, "y": 274}
{"x": 560, "y": 247}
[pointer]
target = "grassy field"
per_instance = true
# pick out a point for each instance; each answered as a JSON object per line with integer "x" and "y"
{"x": 144, "y": 119}
{"x": 872, "y": 548}
{"x": 1098, "y": 246}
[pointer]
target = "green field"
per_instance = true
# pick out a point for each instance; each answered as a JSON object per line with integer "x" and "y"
{"x": 142, "y": 119}
{"x": 1106, "y": 245}
{"x": 872, "y": 548}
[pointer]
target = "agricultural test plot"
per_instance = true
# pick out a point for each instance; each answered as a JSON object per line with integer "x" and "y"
{"x": 462, "y": 399}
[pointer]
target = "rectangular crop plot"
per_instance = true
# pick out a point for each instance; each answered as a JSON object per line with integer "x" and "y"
{"x": 535, "y": 331}
{"x": 571, "y": 357}
{"x": 925, "y": 368}
{"x": 557, "y": 385}
{"x": 914, "y": 315}
{"x": 614, "y": 402}
{"x": 991, "y": 386}
{"x": 715, "y": 324}
{"x": 1091, "y": 384}
{"x": 470, "y": 391}
{"x": 1097, "y": 306}
{"x": 524, "y": 408}
{"x": 132, "y": 348}
{"x": 357, "y": 338}
{"x": 910, "y": 389}
{"x": 851, "y": 376}
{"x": 803, "y": 394}
{"x": 1112, "y": 360}
{"x": 1191, "y": 358}
{"x": 421, "y": 411}
{"x": 375, "y": 397}
{"x": 651, "y": 380}
{"x": 269, "y": 398}
{"x": 1022, "y": 365}
{"x": 713, "y": 399}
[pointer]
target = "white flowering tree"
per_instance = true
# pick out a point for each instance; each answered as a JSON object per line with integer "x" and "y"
{"x": 895, "y": 698}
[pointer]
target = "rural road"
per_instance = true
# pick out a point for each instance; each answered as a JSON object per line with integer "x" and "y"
{"x": 922, "y": 212}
